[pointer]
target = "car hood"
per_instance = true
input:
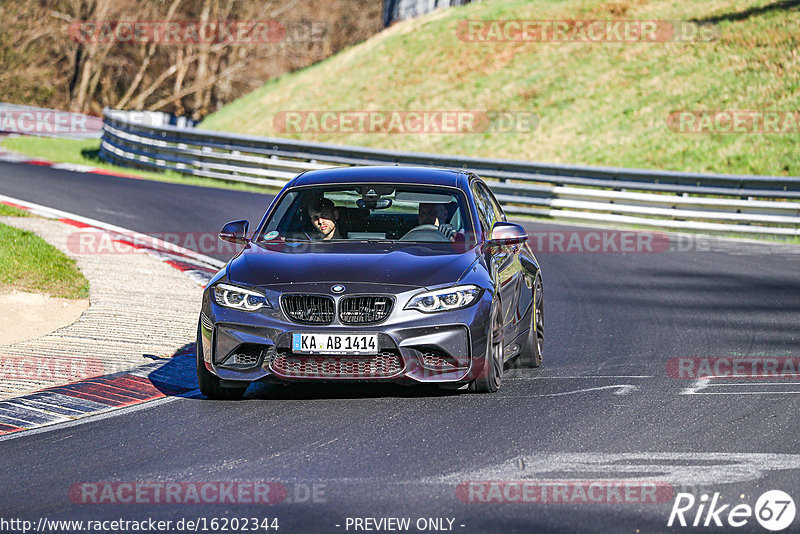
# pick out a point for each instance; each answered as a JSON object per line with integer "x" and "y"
{"x": 397, "y": 264}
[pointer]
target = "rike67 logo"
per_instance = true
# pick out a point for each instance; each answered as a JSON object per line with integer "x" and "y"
{"x": 774, "y": 510}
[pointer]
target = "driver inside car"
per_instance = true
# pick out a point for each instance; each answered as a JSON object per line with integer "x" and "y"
{"x": 436, "y": 214}
{"x": 324, "y": 217}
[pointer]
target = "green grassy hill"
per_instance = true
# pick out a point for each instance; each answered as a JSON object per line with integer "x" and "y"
{"x": 596, "y": 103}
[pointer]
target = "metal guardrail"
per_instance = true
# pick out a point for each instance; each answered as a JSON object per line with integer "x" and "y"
{"x": 664, "y": 199}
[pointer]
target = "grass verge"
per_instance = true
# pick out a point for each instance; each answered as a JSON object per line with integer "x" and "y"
{"x": 11, "y": 211}
{"x": 29, "y": 263}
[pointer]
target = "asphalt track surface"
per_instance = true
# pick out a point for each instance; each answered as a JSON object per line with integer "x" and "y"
{"x": 601, "y": 408}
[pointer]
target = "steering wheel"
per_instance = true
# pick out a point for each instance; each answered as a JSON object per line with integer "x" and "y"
{"x": 425, "y": 232}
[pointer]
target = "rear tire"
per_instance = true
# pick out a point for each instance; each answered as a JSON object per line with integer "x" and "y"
{"x": 210, "y": 384}
{"x": 491, "y": 378}
{"x": 531, "y": 353}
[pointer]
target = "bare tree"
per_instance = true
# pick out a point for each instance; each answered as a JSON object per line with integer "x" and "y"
{"x": 43, "y": 62}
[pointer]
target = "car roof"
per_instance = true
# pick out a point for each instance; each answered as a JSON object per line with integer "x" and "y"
{"x": 384, "y": 174}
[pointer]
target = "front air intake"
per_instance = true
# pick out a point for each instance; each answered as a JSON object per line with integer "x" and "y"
{"x": 385, "y": 364}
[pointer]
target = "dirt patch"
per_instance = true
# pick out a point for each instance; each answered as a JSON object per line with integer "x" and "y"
{"x": 31, "y": 315}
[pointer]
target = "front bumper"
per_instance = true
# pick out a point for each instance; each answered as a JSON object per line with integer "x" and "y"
{"x": 414, "y": 347}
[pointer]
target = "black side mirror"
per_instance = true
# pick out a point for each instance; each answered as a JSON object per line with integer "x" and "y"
{"x": 506, "y": 233}
{"x": 235, "y": 232}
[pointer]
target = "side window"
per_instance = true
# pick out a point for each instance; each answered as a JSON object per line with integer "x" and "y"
{"x": 498, "y": 211}
{"x": 492, "y": 210}
{"x": 484, "y": 209}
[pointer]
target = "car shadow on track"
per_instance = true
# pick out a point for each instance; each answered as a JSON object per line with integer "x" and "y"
{"x": 304, "y": 391}
{"x": 174, "y": 375}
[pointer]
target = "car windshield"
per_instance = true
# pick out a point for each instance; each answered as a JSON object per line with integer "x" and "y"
{"x": 370, "y": 212}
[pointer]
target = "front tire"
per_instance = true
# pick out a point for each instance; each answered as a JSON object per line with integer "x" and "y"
{"x": 210, "y": 384}
{"x": 491, "y": 378}
{"x": 531, "y": 354}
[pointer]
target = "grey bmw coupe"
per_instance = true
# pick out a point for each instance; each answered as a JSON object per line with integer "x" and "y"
{"x": 369, "y": 274}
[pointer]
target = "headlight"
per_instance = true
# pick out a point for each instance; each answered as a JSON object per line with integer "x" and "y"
{"x": 451, "y": 298}
{"x": 240, "y": 298}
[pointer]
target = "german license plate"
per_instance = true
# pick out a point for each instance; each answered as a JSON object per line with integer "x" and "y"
{"x": 334, "y": 343}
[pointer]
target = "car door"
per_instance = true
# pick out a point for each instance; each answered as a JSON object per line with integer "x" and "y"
{"x": 503, "y": 261}
{"x": 512, "y": 276}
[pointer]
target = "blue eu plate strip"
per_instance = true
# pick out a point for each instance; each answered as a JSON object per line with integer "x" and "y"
{"x": 295, "y": 341}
